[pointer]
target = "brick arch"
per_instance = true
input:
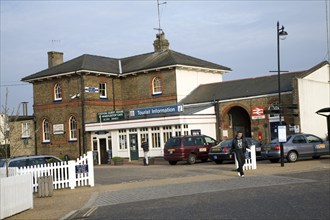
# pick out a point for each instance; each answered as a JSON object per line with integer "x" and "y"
{"x": 240, "y": 119}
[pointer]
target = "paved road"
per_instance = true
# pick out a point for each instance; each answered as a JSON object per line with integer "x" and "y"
{"x": 286, "y": 196}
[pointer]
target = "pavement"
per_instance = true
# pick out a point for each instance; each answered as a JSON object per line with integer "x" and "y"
{"x": 66, "y": 203}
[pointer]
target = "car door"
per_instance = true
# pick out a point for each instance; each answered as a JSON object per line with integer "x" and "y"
{"x": 318, "y": 146}
{"x": 300, "y": 144}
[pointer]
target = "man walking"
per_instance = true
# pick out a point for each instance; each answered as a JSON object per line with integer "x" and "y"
{"x": 239, "y": 146}
{"x": 145, "y": 147}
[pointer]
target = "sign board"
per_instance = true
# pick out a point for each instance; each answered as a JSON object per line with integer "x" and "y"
{"x": 58, "y": 128}
{"x": 281, "y": 133}
{"x": 110, "y": 116}
{"x": 83, "y": 168}
{"x": 91, "y": 89}
{"x": 258, "y": 112}
{"x": 156, "y": 110}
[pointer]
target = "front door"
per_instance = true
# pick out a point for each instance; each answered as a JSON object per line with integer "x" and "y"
{"x": 103, "y": 150}
{"x": 134, "y": 149}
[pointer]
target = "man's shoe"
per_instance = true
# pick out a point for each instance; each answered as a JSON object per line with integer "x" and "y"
{"x": 242, "y": 176}
{"x": 239, "y": 174}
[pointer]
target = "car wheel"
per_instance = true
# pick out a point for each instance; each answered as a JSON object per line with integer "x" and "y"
{"x": 172, "y": 162}
{"x": 218, "y": 161}
{"x": 316, "y": 157}
{"x": 191, "y": 159}
{"x": 292, "y": 156}
{"x": 274, "y": 160}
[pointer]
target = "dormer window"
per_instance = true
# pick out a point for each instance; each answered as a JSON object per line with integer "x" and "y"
{"x": 156, "y": 86}
{"x": 57, "y": 92}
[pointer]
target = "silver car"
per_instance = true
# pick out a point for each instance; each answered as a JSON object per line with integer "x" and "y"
{"x": 296, "y": 145}
{"x": 24, "y": 161}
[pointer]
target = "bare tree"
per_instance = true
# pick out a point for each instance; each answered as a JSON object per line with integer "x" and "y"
{"x": 6, "y": 128}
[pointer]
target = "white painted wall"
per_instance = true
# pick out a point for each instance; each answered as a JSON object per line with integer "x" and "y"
{"x": 188, "y": 80}
{"x": 314, "y": 94}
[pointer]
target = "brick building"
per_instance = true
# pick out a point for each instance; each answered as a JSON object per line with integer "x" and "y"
{"x": 88, "y": 103}
{"x": 240, "y": 104}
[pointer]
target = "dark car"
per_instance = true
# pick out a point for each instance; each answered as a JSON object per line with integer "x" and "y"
{"x": 222, "y": 151}
{"x": 23, "y": 161}
{"x": 189, "y": 148}
{"x": 296, "y": 145}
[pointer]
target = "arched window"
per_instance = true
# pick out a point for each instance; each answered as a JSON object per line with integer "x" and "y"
{"x": 57, "y": 92}
{"x": 45, "y": 131}
{"x": 156, "y": 86}
{"x": 73, "y": 128}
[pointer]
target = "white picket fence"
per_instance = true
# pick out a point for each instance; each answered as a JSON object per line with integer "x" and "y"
{"x": 250, "y": 163}
{"x": 64, "y": 174}
{"x": 15, "y": 194}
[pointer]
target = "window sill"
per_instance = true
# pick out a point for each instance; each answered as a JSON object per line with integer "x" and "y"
{"x": 72, "y": 141}
{"x": 46, "y": 142}
{"x": 57, "y": 101}
{"x": 157, "y": 94}
{"x": 104, "y": 98}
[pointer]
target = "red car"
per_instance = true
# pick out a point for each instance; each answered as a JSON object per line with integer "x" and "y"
{"x": 189, "y": 148}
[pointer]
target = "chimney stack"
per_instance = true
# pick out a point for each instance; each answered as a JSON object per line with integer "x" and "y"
{"x": 161, "y": 43}
{"x": 25, "y": 109}
{"x": 54, "y": 58}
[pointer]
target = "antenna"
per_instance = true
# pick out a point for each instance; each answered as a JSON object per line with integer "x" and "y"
{"x": 53, "y": 42}
{"x": 159, "y": 27}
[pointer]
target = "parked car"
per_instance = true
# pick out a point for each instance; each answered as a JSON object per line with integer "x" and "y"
{"x": 222, "y": 151}
{"x": 189, "y": 148}
{"x": 296, "y": 145}
{"x": 22, "y": 161}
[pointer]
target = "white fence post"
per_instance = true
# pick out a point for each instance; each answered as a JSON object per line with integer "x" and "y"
{"x": 72, "y": 174}
{"x": 90, "y": 168}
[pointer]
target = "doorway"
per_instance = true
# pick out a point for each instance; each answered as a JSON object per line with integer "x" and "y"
{"x": 240, "y": 120}
{"x": 103, "y": 150}
{"x": 134, "y": 150}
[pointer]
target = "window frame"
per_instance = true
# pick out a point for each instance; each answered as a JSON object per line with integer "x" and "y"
{"x": 157, "y": 88}
{"x": 45, "y": 131}
{"x": 73, "y": 129}
{"x": 57, "y": 92}
{"x": 26, "y": 132}
{"x": 103, "y": 91}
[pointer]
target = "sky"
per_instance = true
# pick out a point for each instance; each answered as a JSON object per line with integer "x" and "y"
{"x": 241, "y": 35}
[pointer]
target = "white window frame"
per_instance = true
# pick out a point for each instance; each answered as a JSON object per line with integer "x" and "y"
{"x": 45, "y": 131}
{"x": 57, "y": 92}
{"x": 73, "y": 128}
{"x": 25, "y": 130}
{"x": 103, "y": 91}
{"x": 157, "y": 86}
{"x": 122, "y": 139}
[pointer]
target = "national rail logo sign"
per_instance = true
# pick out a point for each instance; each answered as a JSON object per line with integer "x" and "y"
{"x": 258, "y": 112}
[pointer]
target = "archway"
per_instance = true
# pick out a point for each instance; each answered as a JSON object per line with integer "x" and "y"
{"x": 239, "y": 119}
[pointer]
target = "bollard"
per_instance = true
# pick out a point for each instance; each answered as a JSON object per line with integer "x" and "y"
{"x": 45, "y": 186}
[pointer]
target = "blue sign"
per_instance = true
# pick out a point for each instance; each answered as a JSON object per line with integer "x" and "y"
{"x": 91, "y": 89}
{"x": 156, "y": 110}
{"x": 82, "y": 168}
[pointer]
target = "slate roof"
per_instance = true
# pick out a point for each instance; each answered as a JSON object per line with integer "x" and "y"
{"x": 241, "y": 88}
{"x": 134, "y": 64}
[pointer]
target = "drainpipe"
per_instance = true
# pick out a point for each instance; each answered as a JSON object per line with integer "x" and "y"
{"x": 218, "y": 121}
{"x": 83, "y": 112}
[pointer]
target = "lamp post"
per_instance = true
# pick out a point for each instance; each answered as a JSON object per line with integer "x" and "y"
{"x": 280, "y": 34}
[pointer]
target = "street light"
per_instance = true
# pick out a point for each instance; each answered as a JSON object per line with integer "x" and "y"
{"x": 280, "y": 34}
